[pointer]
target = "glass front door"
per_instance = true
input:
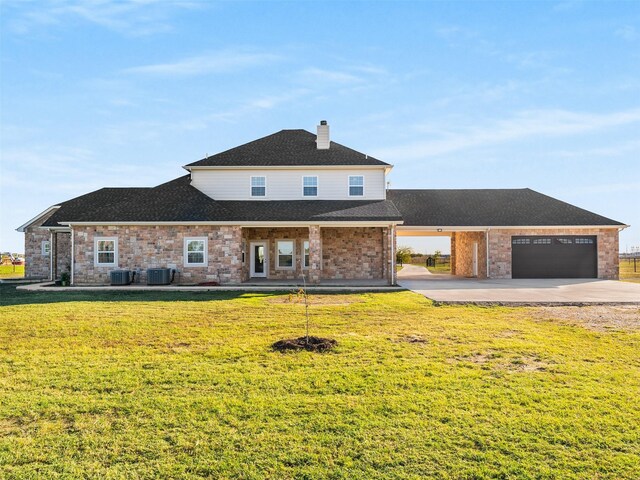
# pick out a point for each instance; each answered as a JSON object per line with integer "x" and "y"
{"x": 258, "y": 259}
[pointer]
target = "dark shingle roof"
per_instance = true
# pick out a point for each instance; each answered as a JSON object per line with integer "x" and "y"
{"x": 495, "y": 207}
{"x": 313, "y": 210}
{"x": 286, "y": 148}
{"x": 178, "y": 201}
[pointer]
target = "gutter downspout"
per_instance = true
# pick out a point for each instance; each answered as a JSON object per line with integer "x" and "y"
{"x": 72, "y": 257}
{"x": 392, "y": 240}
{"x": 486, "y": 242}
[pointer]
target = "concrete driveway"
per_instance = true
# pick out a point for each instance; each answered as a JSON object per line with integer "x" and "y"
{"x": 455, "y": 290}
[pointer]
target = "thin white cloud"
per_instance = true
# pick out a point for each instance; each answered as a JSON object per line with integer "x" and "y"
{"x": 261, "y": 103}
{"x": 616, "y": 150}
{"x": 527, "y": 124}
{"x": 628, "y": 33}
{"x": 219, "y": 62}
{"x": 616, "y": 187}
{"x": 567, "y": 6}
{"x": 319, "y": 75}
{"x": 131, "y": 17}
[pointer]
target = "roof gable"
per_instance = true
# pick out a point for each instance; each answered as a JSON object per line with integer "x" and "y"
{"x": 287, "y": 148}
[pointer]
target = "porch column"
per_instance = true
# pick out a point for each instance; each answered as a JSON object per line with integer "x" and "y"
{"x": 454, "y": 257}
{"x": 314, "y": 254}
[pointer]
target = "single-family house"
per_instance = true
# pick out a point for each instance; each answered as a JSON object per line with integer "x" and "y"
{"x": 296, "y": 203}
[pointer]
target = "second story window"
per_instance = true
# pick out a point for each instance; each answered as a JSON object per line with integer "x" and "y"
{"x": 309, "y": 186}
{"x": 258, "y": 186}
{"x": 356, "y": 186}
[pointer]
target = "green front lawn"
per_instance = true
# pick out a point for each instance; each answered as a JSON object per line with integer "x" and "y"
{"x": 11, "y": 271}
{"x": 184, "y": 385}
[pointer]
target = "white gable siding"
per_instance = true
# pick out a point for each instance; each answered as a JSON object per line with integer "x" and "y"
{"x": 285, "y": 184}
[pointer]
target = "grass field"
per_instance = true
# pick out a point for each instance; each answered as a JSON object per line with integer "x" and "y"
{"x": 440, "y": 268}
{"x": 626, "y": 271}
{"x": 184, "y": 385}
{"x": 9, "y": 271}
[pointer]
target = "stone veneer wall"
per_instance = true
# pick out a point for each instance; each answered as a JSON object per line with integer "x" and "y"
{"x": 462, "y": 253}
{"x": 272, "y": 235}
{"x": 160, "y": 246}
{"x": 347, "y": 253}
{"x": 353, "y": 253}
{"x": 62, "y": 241}
{"x": 607, "y": 243}
{"x": 36, "y": 264}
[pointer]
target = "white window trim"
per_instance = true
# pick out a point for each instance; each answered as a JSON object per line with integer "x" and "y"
{"x": 305, "y": 267}
{"x": 42, "y": 247}
{"x": 317, "y": 186}
{"x": 251, "y": 186}
{"x": 293, "y": 254}
{"x": 185, "y": 252}
{"x": 349, "y": 186}
{"x": 115, "y": 251}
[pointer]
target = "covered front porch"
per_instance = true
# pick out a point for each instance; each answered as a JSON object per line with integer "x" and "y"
{"x": 324, "y": 254}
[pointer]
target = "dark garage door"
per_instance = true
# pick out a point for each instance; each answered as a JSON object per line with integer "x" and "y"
{"x": 554, "y": 256}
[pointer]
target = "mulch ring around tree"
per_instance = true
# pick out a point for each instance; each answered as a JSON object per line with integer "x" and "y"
{"x": 314, "y": 344}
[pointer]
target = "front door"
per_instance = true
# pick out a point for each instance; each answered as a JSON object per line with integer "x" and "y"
{"x": 258, "y": 259}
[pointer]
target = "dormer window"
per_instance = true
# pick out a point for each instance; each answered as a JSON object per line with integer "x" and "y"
{"x": 258, "y": 186}
{"x": 309, "y": 186}
{"x": 356, "y": 186}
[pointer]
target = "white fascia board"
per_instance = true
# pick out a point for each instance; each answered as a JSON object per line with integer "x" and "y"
{"x": 37, "y": 217}
{"x": 291, "y": 167}
{"x": 476, "y": 228}
{"x": 384, "y": 223}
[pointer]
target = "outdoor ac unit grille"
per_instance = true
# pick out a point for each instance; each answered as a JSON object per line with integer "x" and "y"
{"x": 120, "y": 277}
{"x": 158, "y": 276}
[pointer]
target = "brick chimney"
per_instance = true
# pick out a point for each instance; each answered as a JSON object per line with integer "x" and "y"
{"x": 322, "y": 141}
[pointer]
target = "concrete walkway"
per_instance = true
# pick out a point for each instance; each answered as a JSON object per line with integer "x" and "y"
{"x": 449, "y": 289}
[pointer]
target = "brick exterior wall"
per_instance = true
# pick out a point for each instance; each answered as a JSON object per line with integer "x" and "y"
{"x": 271, "y": 236}
{"x": 62, "y": 252}
{"x": 353, "y": 253}
{"x": 607, "y": 243}
{"x": 36, "y": 264}
{"x": 462, "y": 254}
{"x": 347, "y": 253}
{"x": 142, "y": 247}
{"x": 315, "y": 253}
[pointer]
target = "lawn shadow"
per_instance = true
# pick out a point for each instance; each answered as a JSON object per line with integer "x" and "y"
{"x": 9, "y": 295}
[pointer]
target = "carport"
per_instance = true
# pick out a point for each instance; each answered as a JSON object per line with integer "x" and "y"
{"x": 512, "y": 233}
{"x": 468, "y": 247}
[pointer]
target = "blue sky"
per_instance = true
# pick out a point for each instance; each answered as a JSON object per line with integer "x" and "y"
{"x": 543, "y": 95}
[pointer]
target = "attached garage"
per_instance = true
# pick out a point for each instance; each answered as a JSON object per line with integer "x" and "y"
{"x": 513, "y": 233}
{"x": 554, "y": 256}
